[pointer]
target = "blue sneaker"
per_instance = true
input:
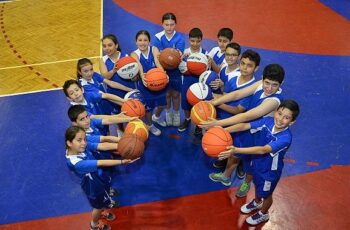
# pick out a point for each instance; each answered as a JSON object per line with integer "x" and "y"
{"x": 257, "y": 218}
{"x": 251, "y": 206}
{"x": 219, "y": 177}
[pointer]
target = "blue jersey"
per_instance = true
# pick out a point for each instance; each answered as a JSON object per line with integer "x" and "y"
{"x": 96, "y": 83}
{"x": 116, "y": 78}
{"x": 91, "y": 100}
{"x": 217, "y": 56}
{"x": 264, "y": 134}
{"x": 96, "y": 129}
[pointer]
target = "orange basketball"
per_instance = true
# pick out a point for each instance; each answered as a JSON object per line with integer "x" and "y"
{"x": 215, "y": 141}
{"x": 156, "y": 79}
{"x": 138, "y": 128}
{"x": 133, "y": 108}
{"x": 202, "y": 111}
{"x": 130, "y": 147}
{"x": 169, "y": 58}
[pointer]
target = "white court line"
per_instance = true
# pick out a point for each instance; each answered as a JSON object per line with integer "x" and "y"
{"x": 101, "y": 26}
{"x": 44, "y": 63}
{"x": 29, "y": 92}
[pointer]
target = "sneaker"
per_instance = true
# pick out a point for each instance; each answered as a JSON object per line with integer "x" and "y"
{"x": 154, "y": 130}
{"x": 219, "y": 164}
{"x": 197, "y": 131}
{"x": 184, "y": 125}
{"x": 219, "y": 177}
{"x": 100, "y": 227}
{"x": 120, "y": 133}
{"x": 168, "y": 118}
{"x": 243, "y": 189}
{"x": 114, "y": 204}
{"x": 158, "y": 120}
{"x": 257, "y": 218}
{"x": 176, "y": 118}
{"x": 113, "y": 192}
{"x": 251, "y": 206}
{"x": 240, "y": 173}
{"x": 108, "y": 216}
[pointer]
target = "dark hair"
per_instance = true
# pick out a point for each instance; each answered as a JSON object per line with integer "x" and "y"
{"x": 195, "y": 33}
{"x": 274, "y": 72}
{"x": 252, "y": 55}
{"x": 144, "y": 32}
{"x": 114, "y": 40}
{"x": 226, "y": 32}
{"x": 67, "y": 84}
{"x": 292, "y": 106}
{"x": 169, "y": 16}
{"x": 81, "y": 62}
{"x": 234, "y": 46}
{"x": 74, "y": 111}
{"x": 71, "y": 132}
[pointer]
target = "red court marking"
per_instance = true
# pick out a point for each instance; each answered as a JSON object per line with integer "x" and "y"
{"x": 312, "y": 163}
{"x": 303, "y": 26}
{"x": 174, "y": 136}
{"x": 314, "y": 200}
{"x": 288, "y": 160}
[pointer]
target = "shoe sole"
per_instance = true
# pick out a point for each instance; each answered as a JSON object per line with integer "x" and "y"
{"x": 257, "y": 224}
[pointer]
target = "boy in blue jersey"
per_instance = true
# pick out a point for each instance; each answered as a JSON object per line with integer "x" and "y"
{"x": 216, "y": 54}
{"x": 266, "y": 96}
{"x": 94, "y": 181}
{"x": 75, "y": 94}
{"x": 169, "y": 38}
{"x": 195, "y": 39}
{"x": 272, "y": 138}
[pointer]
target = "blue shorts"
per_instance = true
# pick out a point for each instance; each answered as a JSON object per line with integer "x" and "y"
{"x": 151, "y": 103}
{"x": 188, "y": 80}
{"x": 175, "y": 79}
{"x": 96, "y": 192}
{"x": 264, "y": 185}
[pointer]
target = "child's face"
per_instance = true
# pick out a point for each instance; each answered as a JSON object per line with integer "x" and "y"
{"x": 247, "y": 67}
{"x": 169, "y": 26}
{"x": 109, "y": 47}
{"x": 142, "y": 42}
{"x": 75, "y": 93}
{"x": 223, "y": 42}
{"x": 283, "y": 118}
{"x": 83, "y": 121}
{"x": 78, "y": 144}
{"x": 86, "y": 71}
{"x": 231, "y": 56}
{"x": 195, "y": 44}
{"x": 270, "y": 87}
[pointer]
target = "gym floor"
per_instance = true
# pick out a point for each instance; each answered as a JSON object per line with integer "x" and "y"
{"x": 169, "y": 188}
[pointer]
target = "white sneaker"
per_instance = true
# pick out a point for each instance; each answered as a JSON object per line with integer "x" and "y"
{"x": 168, "y": 118}
{"x": 154, "y": 130}
{"x": 158, "y": 120}
{"x": 176, "y": 119}
{"x": 257, "y": 218}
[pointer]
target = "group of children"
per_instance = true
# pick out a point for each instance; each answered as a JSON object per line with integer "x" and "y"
{"x": 253, "y": 110}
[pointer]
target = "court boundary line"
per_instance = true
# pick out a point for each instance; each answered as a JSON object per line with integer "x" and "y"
{"x": 29, "y": 92}
{"x": 101, "y": 26}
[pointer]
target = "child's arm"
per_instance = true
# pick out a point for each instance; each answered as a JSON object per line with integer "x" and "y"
{"x": 105, "y": 146}
{"x": 249, "y": 150}
{"x": 155, "y": 51}
{"x": 113, "y": 98}
{"x": 116, "y": 85}
{"x": 108, "y": 163}
{"x": 238, "y": 127}
{"x": 109, "y": 139}
{"x": 103, "y": 70}
{"x": 215, "y": 67}
{"x": 232, "y": 109}
{"x": 141, "y": 73}
{"x": 115, "y": 119}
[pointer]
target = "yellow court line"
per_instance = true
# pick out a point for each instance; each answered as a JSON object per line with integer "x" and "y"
{"x": 101, "y": 27}
{"x": 45, "y": 63}
{"x": 29, "y": 92}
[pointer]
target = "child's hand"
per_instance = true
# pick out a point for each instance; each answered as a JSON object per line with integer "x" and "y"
{"x": 128, "y": 161}
{"x": 216, "y": 84}
{"x": 211, "y": 122}
{"x": 226, "y": 154}
{"x": 124, "y": 118}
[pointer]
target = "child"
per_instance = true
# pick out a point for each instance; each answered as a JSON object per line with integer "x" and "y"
{"x": 266, "y": 97}
{"x": 195, "y": 39}
{"x": 147, "y": 55}
{"x": 92, "y": 81}
{"x": 272, "y": 138}
{"x": 234, "y": 79}
{"x": 169, "y": 38}
{"x": 94, "y": 182}
{"x": 112, "y": 51}
{"x": 216, "y": 54}
{"x": 75, "y": 94}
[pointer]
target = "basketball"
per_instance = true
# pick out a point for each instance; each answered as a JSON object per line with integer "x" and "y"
{"x": 169, "y": 58}
{"x": 133, "y": 108}
{"x": 207, "y": 77}
{"x": 130, "y": 147}
{"x": 133, "y": 94}
{"x": 202, "y": 111}
{"x": 197, "y": 63}
{"x": 215, "y": 141}
{"x": 127, "y": 67}
{"x": 183, "y": 67}
{"x": 138, "y": 128}
{"x": 198, "y": 92}
{"x": 156, "y": 79}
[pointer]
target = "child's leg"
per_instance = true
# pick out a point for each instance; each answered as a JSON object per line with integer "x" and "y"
{"x": 230, "y": 166}
{"x": 158, "y": 111}
{"x": 96, "y": 214}
{"x": 168, "y": 99}
{"x": 267, "y": 204}
{"x": 149, "y": 118}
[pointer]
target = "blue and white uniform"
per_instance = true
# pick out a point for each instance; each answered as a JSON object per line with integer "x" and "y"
{"x": 188, "y": 80}
{"x": 94, "y": 182}
{"x": 267, "y": 168}
{"x": 217, "y": 56}
{"x": 150, "y": 98}
{"x": 91, "y": 100}
{"x": 177, "y": 41}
